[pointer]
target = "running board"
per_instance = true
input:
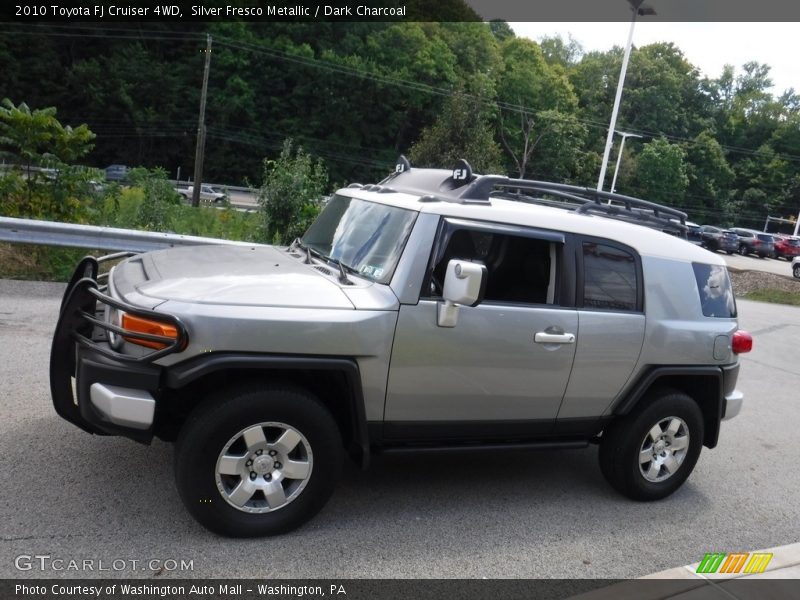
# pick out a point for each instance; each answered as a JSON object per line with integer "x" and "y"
{"x": 551, "y": 445}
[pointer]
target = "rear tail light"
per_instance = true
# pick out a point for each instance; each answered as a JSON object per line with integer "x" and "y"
{"x": 742, "y": 342}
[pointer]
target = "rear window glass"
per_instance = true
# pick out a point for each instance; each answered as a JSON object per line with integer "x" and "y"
{"x": 610, "y": 280}
{"x": 716, "y": 293}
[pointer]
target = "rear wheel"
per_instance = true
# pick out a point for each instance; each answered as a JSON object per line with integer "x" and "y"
{"x": 648, "y": 454}
{"x": 257, "y": 461}
{"x": 796, "y": 271}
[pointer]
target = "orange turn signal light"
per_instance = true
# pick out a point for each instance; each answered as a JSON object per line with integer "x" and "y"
{"x": 133, "y": 324}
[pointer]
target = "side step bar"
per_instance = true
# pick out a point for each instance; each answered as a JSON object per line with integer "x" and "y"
{"x": 544, "y": 445}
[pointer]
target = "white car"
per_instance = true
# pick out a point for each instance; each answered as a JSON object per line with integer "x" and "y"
{"x": 207, "y": 194}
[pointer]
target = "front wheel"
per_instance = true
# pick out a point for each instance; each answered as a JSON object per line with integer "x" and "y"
{"x": 796, "y": 270}
{"x": 743, "y": 250}
{"x": 648, "y": 454}
{"x": 257, "y": 461}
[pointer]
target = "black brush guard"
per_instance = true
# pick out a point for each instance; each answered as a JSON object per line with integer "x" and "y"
{"x": 81, "y": 349}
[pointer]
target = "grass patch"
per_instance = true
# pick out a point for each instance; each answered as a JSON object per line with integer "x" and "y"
{"x": 40, "y": 263}
{"x": 773, "y": 295}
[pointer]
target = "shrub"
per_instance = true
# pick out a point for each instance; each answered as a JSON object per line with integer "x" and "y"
{"x": 291, "y": 195}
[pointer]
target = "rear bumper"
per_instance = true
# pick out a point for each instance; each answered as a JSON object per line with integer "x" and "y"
{"x": 92, "y": 386}
{"x": 733, "y": 404}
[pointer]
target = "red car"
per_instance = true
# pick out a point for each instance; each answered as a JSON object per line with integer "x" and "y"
{"x": 787, "y": 247}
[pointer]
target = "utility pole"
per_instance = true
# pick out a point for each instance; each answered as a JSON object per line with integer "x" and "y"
{"x": 201, "y": 130}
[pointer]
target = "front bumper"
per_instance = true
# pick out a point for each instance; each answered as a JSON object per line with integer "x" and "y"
{"x": 92, "y": 386}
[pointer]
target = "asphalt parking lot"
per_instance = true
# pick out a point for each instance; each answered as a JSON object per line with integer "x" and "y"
{"x": 754, "y": 263}
{"x": 73, "y": 496}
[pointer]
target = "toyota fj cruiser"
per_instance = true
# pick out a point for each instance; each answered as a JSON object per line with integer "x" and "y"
{"x": 438, "y": 309}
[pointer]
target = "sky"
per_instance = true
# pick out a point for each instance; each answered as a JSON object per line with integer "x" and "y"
{"x": 708, "y": 46}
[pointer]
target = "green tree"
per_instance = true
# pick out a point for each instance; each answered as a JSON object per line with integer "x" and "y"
{"x": 710, "y": 178}
{"x": 461, "y": 131}
{"x": 557, "y": 51}
{"x": 31, "y": 139}
{"x": 291, "y": 194}
{"x": 501, "y": 30}
{"x": 536, "y": 119}
{"x": 661, "y": 172}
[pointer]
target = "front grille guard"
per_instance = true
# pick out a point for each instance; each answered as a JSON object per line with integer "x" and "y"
{"x": 79, "y": 318}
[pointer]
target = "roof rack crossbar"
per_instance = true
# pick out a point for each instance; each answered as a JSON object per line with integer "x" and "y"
{"x": 594, "y": 195}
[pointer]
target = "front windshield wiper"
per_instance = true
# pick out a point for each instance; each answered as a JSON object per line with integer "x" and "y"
{"x": 343, "y": 268}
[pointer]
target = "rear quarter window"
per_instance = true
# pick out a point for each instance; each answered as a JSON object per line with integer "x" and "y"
{"x": 716, "y": 293}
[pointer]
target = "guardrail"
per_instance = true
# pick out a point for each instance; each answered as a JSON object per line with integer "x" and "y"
{"x": 220, "y": 186}
{"x": 50, "y": 233}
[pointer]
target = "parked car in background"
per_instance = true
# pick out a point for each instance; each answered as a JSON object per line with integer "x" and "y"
{"x": 116, "y": 172}
{"x": 786, "y": 246}
{"x": 767, "y": 248}
{"x": 207, "y": 193}
{"x": 693, "y": 233}
{"x": 751, "y": 242}
{"x": 716, "y": 238}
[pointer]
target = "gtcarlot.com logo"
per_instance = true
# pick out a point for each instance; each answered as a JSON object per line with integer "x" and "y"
{"x": 46, "y": 562}
{"x": 734, "y": 562}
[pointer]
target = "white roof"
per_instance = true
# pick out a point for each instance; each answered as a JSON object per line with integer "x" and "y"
{"x": 646, "y": 241}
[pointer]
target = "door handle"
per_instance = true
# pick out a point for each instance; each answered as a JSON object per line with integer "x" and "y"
{"x": 542, "y": 337}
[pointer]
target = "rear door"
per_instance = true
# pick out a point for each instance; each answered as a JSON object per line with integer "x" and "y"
{"x": 610, "y": 299}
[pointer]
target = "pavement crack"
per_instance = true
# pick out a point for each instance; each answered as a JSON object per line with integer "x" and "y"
{"x": 54, "y": 536}
{"x": 772, "y": 329}
{"x": 770, "y": 366}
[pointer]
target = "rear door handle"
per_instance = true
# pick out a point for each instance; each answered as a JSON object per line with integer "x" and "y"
{"x": 542, "y": 337}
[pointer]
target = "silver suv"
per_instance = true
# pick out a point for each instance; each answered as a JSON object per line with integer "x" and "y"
{"x": 436, "y": 310}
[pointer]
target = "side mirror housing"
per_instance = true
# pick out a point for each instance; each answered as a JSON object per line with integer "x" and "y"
{"x": 464, "y": 283}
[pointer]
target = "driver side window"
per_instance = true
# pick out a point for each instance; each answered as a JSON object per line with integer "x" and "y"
{"x": 520, "y": 269}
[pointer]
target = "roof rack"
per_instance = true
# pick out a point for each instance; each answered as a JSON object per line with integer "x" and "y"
{"x": 587, "y": 200}
{"x": 462, "y": 186}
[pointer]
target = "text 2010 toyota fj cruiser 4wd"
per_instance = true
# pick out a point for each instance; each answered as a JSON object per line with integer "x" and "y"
{"x": 436, "y": 309}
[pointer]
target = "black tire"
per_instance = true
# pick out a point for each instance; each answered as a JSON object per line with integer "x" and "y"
{"x": 622, "y": 441}
{"x": 743, "y": 250}
{"x": 229, "y": 412}
{"x": 729, "y": 252}
{"x": 796, "y": 271}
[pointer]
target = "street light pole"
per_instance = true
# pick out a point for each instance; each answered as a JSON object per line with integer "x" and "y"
{"x": 619, "y": 157}
{"x": 638, "y": 9}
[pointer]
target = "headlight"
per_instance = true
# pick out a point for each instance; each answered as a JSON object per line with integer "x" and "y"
{"x": 114, "y": 317}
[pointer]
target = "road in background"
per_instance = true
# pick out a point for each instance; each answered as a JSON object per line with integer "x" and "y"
{"x": 71, "y": 495}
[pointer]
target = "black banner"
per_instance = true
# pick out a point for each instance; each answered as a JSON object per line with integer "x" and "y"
{"x": 417, "y": 589}
{"x": 105, "y": 11}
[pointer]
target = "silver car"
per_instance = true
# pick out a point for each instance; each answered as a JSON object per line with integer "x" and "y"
{"x": 435, "y": 310}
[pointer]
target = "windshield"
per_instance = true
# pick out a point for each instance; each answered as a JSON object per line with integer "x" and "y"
{"x": 365, "y": 237}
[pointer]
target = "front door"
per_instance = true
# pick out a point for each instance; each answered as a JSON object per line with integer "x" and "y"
{"x": 504, "y": 368}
